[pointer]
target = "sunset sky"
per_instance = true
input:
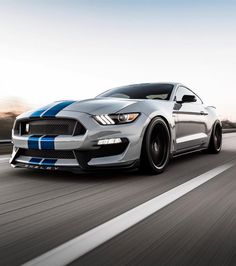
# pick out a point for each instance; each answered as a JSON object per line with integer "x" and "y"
{"x": 54, "y": 50}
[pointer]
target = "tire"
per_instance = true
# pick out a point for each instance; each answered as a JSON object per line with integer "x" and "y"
{"x": 155, "y": 152}
{"x": 215, "y": 143}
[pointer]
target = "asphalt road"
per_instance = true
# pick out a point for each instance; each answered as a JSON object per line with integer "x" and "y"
{"x": 42, "y": 210}
{"x": 5, "y": 148}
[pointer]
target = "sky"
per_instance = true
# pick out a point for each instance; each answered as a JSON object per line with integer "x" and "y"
{"x": 56, "y": 50}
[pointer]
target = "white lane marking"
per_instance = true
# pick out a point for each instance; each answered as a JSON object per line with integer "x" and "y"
{"x": 77, "y": 247}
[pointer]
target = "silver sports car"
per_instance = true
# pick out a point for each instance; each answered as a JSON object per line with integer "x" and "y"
{"x": 141, "y": 125}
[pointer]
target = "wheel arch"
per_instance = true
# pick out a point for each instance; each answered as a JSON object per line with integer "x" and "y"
{"x": 170, "y": 129}
{"x": 217, "y": 121}
{"x": 210, "y": 147}
{"x": 168, "y": 126}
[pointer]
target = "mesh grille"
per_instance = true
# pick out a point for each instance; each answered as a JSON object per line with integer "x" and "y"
{"x": 52, "y": 127}
{"x": 52, "y": 154}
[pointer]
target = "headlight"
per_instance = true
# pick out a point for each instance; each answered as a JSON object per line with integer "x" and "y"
{"x": 116, "y": 119}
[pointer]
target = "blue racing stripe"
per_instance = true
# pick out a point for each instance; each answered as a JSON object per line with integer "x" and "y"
{"x": 57, "y": 108}
{"x": 38, "y": 112}
{"x": 47, "y": 143}
{"x": 33, "y": 142}
{"x": 35, "y": 160}
{"x": 49, "y": 162}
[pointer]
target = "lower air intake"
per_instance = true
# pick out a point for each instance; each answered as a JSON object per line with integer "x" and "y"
{"x": 49, "y": 154}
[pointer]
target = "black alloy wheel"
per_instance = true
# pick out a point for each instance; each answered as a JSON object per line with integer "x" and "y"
{"x": 156, "y": 147}
{"x": 216, "y": 139}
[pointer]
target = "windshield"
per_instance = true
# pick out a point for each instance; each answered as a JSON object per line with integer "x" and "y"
{"x": 141, "y": 91}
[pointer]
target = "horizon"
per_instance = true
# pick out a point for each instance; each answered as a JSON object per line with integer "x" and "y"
{"x": 76, "y": 49}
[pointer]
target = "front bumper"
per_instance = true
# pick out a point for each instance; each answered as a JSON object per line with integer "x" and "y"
{"x": 83, "y": 150}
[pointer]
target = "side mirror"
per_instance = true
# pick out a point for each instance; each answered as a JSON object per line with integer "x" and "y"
{"x": 189, "y": 99}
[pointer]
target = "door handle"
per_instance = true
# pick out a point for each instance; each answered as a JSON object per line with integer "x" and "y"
{"x": 203, "y": 113}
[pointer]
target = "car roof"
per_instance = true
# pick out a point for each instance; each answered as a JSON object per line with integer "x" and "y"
{"x": 153, "y": 83}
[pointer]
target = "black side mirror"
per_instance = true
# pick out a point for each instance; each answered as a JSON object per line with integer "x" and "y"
{"x": 189, "y": 99}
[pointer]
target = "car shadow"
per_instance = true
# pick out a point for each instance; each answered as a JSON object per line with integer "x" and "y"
{"x": 92, "y": 176}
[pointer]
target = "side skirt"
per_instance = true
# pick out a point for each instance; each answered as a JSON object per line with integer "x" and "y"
{"x": 174, "y": 155}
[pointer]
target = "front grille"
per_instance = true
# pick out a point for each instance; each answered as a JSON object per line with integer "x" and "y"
{"x": 49, "y": 154}
{"x": 51, "y": 127}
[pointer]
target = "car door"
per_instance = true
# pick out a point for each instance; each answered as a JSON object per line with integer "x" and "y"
{"x": 190, "y": 121}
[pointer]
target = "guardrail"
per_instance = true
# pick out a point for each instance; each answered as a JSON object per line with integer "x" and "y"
{"x": 5, "y": 141}
{"x": 229, "y": 130}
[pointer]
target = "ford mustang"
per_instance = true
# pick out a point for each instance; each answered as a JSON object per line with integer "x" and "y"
{"x": 140, "y": 126}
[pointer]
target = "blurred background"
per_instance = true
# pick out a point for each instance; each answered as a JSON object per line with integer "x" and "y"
{"x": 56, "y": 50}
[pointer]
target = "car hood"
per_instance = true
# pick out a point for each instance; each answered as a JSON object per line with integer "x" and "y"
{"x": 100, "y": 105}
{"x": 96, "y": 106}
